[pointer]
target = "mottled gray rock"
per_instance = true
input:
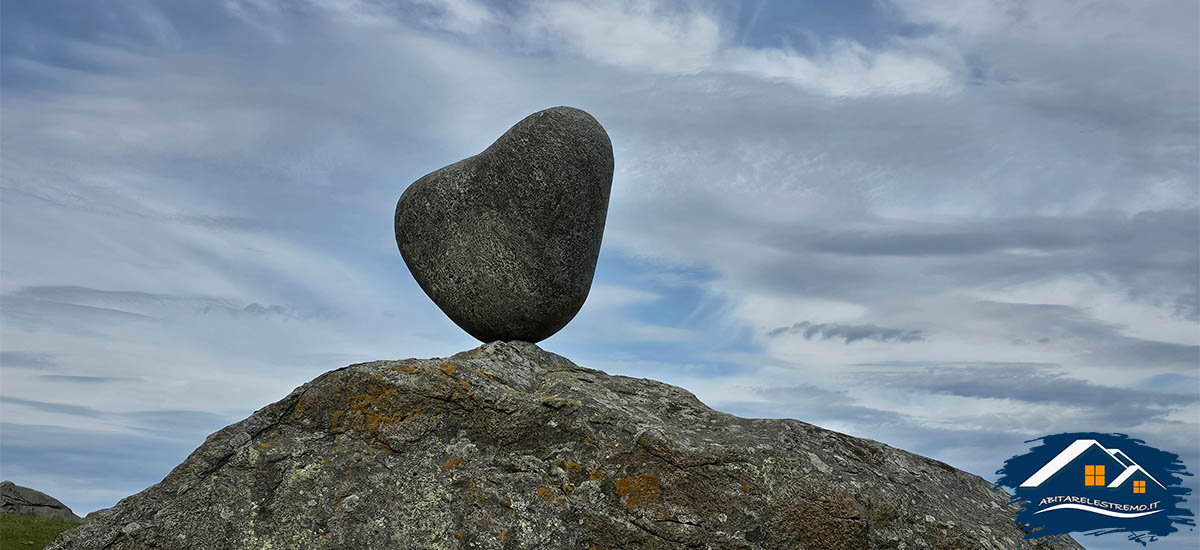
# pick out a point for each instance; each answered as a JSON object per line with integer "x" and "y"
{"x": 508, "y": 446}
{"x": 15, "y": 499}
{"x": 505, "y": 242}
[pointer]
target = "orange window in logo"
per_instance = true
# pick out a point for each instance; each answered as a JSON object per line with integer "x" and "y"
{"x": 1094, "y": 476}
{"x": 1139, "y": 486}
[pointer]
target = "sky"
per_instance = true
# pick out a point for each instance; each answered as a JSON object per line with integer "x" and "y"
{"x": 948, "y": 226}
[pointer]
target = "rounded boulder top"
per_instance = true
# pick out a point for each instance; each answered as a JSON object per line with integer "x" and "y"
{"x": 505, "y": 242}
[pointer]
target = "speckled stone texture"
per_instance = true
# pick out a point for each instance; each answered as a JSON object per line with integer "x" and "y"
{"x": 505, "y": 242}
{"x": 508, "y": 446}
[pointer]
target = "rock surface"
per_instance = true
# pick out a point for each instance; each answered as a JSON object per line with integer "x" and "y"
{"x": 505, "y": 242}
{"x": 15, "y": 499}
{"x": 508, "y": 446}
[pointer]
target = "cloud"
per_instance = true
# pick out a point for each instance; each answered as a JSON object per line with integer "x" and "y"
{"x": 607, "y": 318}
{"x": 1097, "y": 342}
{"x": 151, "y": 305}
{"x": 666, "y": 38}
{"x": 166, "y": 424}
{"x": 79, "y": 379}
{"x": 21, "y": 359}
{"x": 459, "y": 16}
{"x": 1118, "y": 407}
{"x": 1171, "y": 382}
{"x": 848, "y": 333}
{"x": 805, "y": 400}
{"x": 625, "y": 33}
{"x": 59, "y": 408}
{"x": 177, "y": 425}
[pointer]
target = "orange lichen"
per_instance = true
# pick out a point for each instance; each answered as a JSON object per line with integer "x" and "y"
{"x": 458, "y": 534}
{"x": 300, "y": 404}
{"x": 502, "y": 534}
{"x": 597, "y": 475}
{"x": 567, "y": 487}
{"x": 376, "y": 421}
{"x": 545, "y": 495}
{"x": 370, "y": 405}
{"x": 447, "y": 369}
{"x": 371, "y": 399}
{"x": 452, "y": 463}
{"x": 370, "y": 412}
{"x": 641, "y": 491}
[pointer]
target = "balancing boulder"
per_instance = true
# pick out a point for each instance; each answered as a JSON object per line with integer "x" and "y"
{"x": 505, "y": 242}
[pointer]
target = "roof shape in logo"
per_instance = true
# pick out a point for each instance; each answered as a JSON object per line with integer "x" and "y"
{"x": 1121, "y": 457}
{"x": 1133, "y": 469}
{"x": 1078, "y": 447}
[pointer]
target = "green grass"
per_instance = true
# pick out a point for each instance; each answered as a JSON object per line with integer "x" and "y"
{"x": 28, "y": 532}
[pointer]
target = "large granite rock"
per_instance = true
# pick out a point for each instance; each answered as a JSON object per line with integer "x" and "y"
{"x": 505, "y": 242}
{"x": 508, "y": 446}
{"x": 15, "y": 499}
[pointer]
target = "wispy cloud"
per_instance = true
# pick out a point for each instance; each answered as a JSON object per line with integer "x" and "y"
{"x": 1119, "y": 407}
{"x": 61, "y": 408}
{"x": 79, "y": 379}
{"x": 848, "y": 333}
{"x": 151, "y": 304}
{"x": 21, "y": 359}
{"x": 677, "y": 39}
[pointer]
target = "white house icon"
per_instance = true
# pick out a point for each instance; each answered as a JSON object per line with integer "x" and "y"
{"x": 1079, "y": 447}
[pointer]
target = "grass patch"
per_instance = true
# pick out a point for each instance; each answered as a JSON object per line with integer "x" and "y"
{"x": 28, "y": 532}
